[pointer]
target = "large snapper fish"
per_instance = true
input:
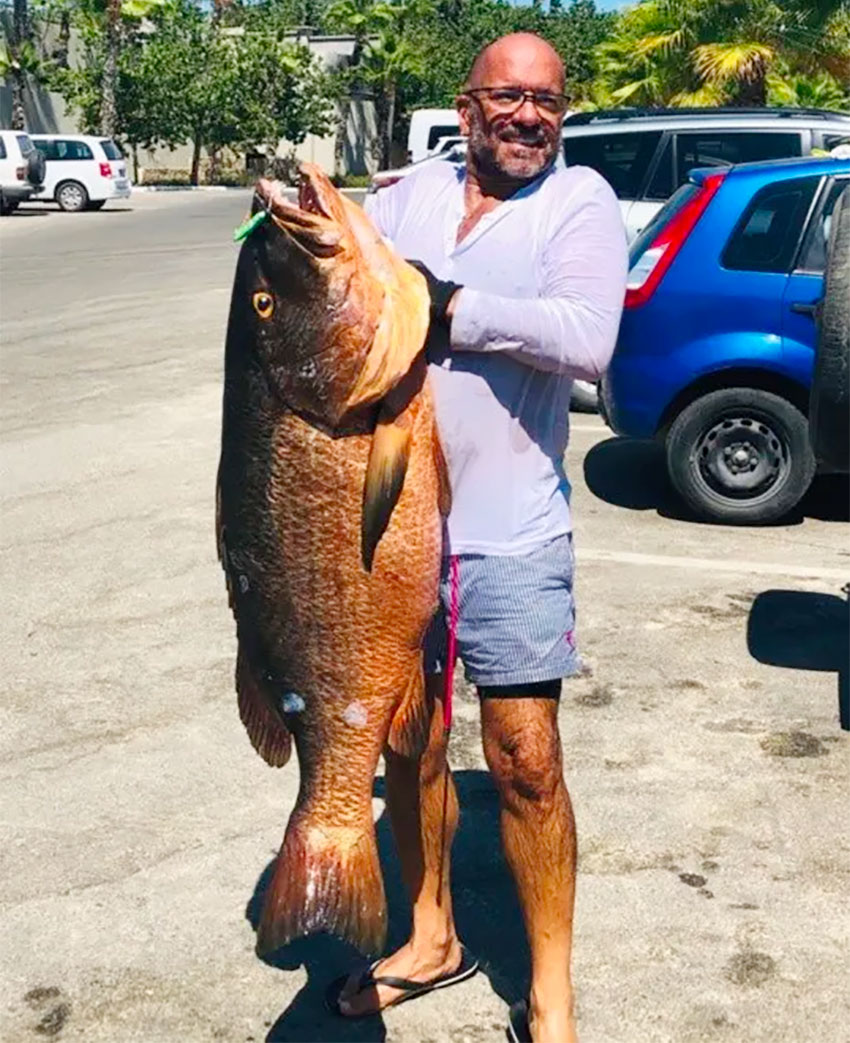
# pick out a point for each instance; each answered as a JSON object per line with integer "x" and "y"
{"x": 331, "y": 489}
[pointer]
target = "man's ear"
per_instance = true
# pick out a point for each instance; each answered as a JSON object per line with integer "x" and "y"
{"x": 462, "y": 106}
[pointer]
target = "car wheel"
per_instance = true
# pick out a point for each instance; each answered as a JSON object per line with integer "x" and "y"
{"x": 7, "y": 206}
{"x": 829, "y": 408}
{"x": 740, "y": 456}
{"x": 584, "y": 397}
{"x": 95, "y": 204}
{"x": 72, "y": 196}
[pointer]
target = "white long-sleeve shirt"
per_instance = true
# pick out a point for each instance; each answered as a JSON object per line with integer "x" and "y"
{"x": 544, "y": 278}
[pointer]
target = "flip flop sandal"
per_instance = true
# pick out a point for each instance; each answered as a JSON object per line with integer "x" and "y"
{"x": 518, "y": 1029}
{"x": 412, "y": 989}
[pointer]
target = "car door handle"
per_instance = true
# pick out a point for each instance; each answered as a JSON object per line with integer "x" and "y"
{"x": 806, "y": 309}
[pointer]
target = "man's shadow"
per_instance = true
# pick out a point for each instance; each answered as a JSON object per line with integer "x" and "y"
{"x": 486, "y": 910}
{"x": 632, "y": 473}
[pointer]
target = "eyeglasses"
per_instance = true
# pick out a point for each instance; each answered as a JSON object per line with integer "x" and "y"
{"x": 509, "y": 99}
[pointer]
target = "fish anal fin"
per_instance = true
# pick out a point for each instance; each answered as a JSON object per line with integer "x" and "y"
{"x": 410, "y": 725}
{"x": 325, "y": 879}
{"x": 266, "y": 729}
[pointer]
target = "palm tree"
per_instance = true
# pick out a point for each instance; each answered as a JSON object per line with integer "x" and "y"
{"x": 17, "y": 58}
{"x": 686, "y": 52}
{"x": 114, "y": 11}
{"x": 360, "y": 18}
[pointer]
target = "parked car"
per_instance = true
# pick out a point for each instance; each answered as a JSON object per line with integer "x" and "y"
{"x": 645, "y": 154}
{"x": 83, "y": 171}
{"x": 21, "y": 169}
{"x": 717, "y": 345}
{"x": 427, "y": 126}
{"x": 383, "y": 178}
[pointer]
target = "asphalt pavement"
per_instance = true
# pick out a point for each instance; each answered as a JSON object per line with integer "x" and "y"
{"x": 702, "y": 746}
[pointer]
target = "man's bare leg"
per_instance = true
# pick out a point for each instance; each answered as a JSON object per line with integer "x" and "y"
{"x": 422, "y": 803}
{"x": 523, "y": 751}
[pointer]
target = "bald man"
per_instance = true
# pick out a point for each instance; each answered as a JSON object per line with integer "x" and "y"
{"x": 526, "y": 263}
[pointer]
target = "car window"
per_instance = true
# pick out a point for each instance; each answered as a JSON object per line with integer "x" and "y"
{"x": 2, "y": 149}
{"x": 25, "y": 144}
{"x": 622, "y": 159}
{"x": 813, "y": 254}
{"x": 71, "y": 150}
{"x": 720, "y": 148}
{"x": 434, "y": 135}
{"x": 766, "y": 237}
{"x": 48, "y": 148}
{"x": 110, "y": 149}
{"x": 831, "y": 141}
{"x": 661, "y": 184}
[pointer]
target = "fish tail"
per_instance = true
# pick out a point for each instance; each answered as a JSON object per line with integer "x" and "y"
{"x": 325, "y": 879}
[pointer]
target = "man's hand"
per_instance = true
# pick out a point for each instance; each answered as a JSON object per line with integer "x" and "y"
{"x": 443, "y": 295}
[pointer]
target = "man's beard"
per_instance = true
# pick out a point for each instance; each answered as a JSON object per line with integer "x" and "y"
{"x": 484, "y": 146}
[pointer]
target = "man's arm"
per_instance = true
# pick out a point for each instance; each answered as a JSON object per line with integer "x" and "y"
{"x": 572, "y": 328}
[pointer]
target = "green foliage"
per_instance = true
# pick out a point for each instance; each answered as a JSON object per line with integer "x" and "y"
{"x": 180, "y": 77}
{"x": 686, "y": 52}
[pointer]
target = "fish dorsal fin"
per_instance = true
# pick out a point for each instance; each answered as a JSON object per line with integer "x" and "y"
{"x": 403, "y": 324}
{"x": 387, "y": 465}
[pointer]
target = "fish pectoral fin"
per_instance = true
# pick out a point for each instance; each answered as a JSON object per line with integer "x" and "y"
{"x": 385, "y": 473}
{"x": 411, "y": 722}
{"x": 266, "y": 729}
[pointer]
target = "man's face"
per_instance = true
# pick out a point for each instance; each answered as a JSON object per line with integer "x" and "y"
{"x": 517, "y": 145}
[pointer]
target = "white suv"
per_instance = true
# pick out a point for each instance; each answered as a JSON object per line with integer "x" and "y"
{"x": 83, "y": 171}
{"x": 645, "y": 154}
{"x": 21, "y": 169}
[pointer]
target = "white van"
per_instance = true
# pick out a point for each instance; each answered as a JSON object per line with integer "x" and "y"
{"x": 83, "y": 170}
{"x": 427, "y": 126}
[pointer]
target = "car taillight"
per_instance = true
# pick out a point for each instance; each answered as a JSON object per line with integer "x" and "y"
{"x": 105, "y": 170}
{"x": 649, "y": 269}
{"x": 20, "y": 173}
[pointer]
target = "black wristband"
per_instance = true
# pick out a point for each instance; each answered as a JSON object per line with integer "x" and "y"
{"x": 440, "y": 291}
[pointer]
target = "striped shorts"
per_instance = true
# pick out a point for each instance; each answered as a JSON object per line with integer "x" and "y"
{"x": 516, "y": 621}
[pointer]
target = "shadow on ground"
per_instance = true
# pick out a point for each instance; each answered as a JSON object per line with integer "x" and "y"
{"x": 803, "y": 630}
{"x": 485, "y": 905}
{"x": 632, "y": 473}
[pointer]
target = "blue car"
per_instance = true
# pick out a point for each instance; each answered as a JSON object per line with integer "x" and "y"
{"x": 717, "y": 345}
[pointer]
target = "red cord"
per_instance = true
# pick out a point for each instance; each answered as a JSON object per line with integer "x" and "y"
{"x": 454, "y": 613}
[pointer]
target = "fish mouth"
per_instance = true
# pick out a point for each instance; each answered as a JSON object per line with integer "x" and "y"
{"x": 310, "y": 222}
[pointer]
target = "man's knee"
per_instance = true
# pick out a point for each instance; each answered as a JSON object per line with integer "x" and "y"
{"x": 525, "y": 760}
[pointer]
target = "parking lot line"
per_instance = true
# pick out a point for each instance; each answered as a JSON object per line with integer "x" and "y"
{"x": 764, "y": 568}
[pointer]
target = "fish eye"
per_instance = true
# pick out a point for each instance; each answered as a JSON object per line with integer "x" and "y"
{"x": 263, "y": 304}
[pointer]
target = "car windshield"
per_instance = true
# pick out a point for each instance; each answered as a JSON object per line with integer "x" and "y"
{"x": 110, "y": 149}
{"x": 25, "y": 144}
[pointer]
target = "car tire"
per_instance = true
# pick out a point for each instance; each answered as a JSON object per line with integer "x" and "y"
{"x": 72, "y": 196}
{"x": 740, "y": 456}
{"x": 584, "y": 397}
{"x": 95, "y": 204}
{"x": 7, "y": 206}
{"x": 829, "y": 406}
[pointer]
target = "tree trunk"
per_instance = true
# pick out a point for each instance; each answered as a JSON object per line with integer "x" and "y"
{"x": 19, "y": 118}
{"x": 63, "y": 42}
{"x": 21, "y": 21}
{"x": 135, "y": 163}
{"x": 753, "y": 92}
{"x": 196, "y": 156}
{"x": 389, "y": 104}
{"x": 108, "y": 114}
{"x": 21, "y": 32}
